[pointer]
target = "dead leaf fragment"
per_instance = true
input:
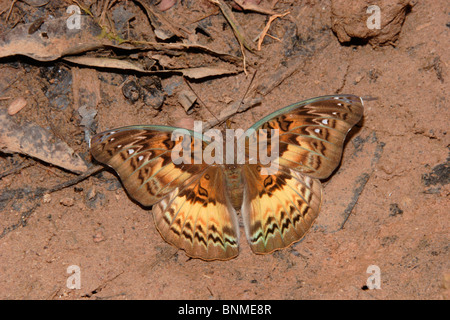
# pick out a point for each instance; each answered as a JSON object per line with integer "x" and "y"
{"x": 166, "y": 4}
{"x": 193, "y": 73}
{"x": 187, "y": 99}
{"x": 36, "y": 142}
{"x": 203, "y": 72}
{"x": 54, "y": 39}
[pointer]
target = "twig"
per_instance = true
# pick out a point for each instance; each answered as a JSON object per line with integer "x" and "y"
{"x": 101, "y": 286}
{"x": 21, "y": 166}
{"x": 267, "y": 27}
{"x": 38, "y": 193}
{"x": 81, "y": 177}
{"x": 10, "y": 9}
{"x": 246, "y": 91}
{"x": 244, "y": 59}
{"x": 362, "y": 181}
{"x": 237, "y": 107}
{"x": 239, "y": 32}
{"x": 216, "y": 11}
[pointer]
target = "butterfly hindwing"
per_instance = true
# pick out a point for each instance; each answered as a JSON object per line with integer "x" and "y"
{"x": 200, "y": 218}
{"x": 278, "y": 209}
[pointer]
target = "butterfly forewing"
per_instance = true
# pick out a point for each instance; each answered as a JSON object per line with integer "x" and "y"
{"x": 312, "y": 132}
{"x": 142, "y": 156}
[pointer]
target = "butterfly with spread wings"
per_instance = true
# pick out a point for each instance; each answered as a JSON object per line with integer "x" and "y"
{"x": 194, "y": 203}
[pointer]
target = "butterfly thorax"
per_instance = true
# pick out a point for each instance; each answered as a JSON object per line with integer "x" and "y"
{"x": 233, "y": 177}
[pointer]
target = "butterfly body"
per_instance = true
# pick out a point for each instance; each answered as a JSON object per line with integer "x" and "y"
{"x": 195, "y": 201}
{"x": 233, "y": 178}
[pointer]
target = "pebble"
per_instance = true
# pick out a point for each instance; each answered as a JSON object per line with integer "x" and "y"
{"x": 17, "y": 105}
{"x": 67, "y": 202}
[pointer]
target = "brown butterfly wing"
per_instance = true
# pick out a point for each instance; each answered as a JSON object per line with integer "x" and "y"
{"x": 200, "y": 218}
{"x": 278, "y": 209}
{"x": 141, "y": 155}
{"x": 312, "y": 132}
{"x": 191, "y": 207}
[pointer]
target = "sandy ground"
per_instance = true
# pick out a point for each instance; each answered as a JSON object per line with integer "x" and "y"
{"x": 393, "y": 179}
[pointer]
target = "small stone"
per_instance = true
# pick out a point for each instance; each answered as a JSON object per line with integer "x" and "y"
{"x": 91, "y": 193}
{"x": 67, "y": 202}
{"x": 131, "y": 91}
{"x": 98, "y": 237}
{"x": 47, "y": 198}
{"x": 153, "y": 97}
{"x": 17, "y": 105}
{"x": 394, "y": 210}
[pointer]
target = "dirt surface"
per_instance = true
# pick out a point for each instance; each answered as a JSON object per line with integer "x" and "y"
{"x": 393, "y": 182}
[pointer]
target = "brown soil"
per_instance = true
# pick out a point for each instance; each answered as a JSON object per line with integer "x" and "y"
{"x": 393, "y": 179}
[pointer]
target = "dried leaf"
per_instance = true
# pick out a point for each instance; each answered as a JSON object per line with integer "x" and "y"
{"x": 106, "y": 63}
{"x": 193, "y": 73}
{"x": 55, "y": 39}
{"x": 256, "y": 7}
{"x": 36, "y": 142}
{"x": 187, "y": 99}
{"x": 36, "y": 3}
{"x": 203, "y": 72}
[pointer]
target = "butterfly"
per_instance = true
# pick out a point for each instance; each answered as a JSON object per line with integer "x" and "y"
{"x": 194, "y": 202}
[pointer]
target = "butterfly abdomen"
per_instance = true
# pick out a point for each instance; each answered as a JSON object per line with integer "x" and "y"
{"x": 233, "y": 178}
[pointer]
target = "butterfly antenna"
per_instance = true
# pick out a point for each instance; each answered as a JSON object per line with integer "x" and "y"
{"x": 369, "y": 98}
